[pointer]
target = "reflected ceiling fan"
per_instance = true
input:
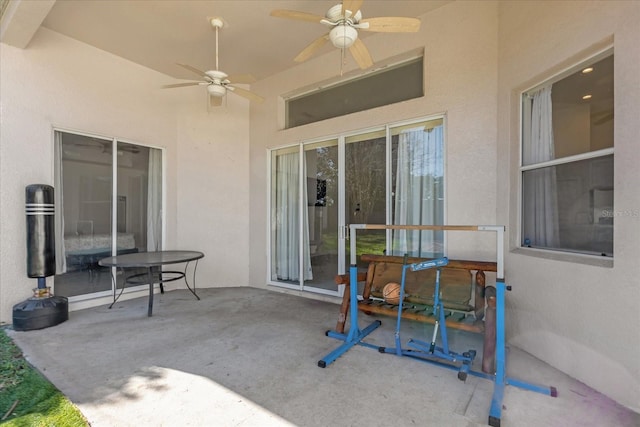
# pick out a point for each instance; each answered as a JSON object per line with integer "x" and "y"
{"x": 602, "y": 117}
{"x": 218, "y": 83}
{"x": 345, "y": 20}
{"x": 97, "y": 145}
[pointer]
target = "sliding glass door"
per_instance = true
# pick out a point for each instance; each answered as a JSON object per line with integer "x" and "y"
{"x": 391, "y": 175}
{"x": 108, "y": 202}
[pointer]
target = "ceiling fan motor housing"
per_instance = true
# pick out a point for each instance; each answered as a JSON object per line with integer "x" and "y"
{"x": 335, "y": 13}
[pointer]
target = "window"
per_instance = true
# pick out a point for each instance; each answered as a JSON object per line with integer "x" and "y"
{"x": 387, "y": 86}
{"x": 567, "y": 161}
{"x": 388, "y": 175}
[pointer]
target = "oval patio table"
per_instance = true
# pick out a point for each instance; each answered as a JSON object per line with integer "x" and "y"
{"x": 151, "y": 260}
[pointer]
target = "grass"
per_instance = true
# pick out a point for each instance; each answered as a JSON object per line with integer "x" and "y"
{"x": 27, "y": 399}
{"x": 368, "y": 242}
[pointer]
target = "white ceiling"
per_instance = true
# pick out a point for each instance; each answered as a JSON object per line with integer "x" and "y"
{"x": 159, "y": 33}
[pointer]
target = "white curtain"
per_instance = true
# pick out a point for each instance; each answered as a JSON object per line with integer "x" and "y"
{"x": 540, "y": 192}
{"x": 154, "y": 201}
{"x": 286, "y": 259}
{"x": 61, "y": 258}
{"x": 419, "y": 191}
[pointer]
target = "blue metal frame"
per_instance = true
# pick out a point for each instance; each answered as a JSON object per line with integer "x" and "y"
{"x": 356, "y": 335}
{"x": 501, "y": 379}
{"x": 422, "y": 349}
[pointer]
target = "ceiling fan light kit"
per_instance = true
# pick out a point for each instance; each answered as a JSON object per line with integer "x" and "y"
{"x": 343, "y": 36}
{"x": 216, "y": 90}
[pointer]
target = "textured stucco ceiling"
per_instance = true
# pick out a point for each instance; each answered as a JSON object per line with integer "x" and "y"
{"x": 157, "y": 34}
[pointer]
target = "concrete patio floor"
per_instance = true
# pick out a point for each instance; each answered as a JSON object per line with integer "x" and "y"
{"x": 248, "y": 357}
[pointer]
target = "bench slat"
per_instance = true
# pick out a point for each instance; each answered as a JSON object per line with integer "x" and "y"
{"x": 476, "y": 327}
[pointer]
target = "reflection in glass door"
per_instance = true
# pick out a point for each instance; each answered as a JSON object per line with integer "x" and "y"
{"x": 93, "y": 216}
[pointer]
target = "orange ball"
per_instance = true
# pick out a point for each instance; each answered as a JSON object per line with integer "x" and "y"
{"x": 391, "y": 293}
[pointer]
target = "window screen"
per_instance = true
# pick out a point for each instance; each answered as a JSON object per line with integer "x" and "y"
{"x": 388, "y": 86}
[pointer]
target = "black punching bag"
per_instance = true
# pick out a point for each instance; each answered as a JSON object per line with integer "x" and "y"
{"x": 41, "y": 248}
{"x": 42, "y": 309}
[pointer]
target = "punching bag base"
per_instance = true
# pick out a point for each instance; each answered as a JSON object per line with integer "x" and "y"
{"x": 40, "y": 313}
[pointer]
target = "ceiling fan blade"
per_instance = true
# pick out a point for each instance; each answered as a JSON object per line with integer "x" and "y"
{"x": 192, "y": 69}
{"x": 391, "y": 24}
{"x": 180, "y": 85}
{"x": 298, "y": 16}
{"x": 215, "y": 101}
{"x": 246, "y": 94}
{"x": 311, "y": 49}
{"x": 361, "y": 54}
{"x": 352, "y": 5}
{"x": 241, "y": 78}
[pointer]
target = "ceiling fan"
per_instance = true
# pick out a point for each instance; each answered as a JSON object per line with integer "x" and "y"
{"x": 218, "y": 83}
{"x": 346, "y": 19}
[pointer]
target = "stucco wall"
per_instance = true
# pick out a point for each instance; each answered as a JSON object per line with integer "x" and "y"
{"x": 213, "y": 186}
{"x": 59, "y": 82}
{"x": 580, "y": 318}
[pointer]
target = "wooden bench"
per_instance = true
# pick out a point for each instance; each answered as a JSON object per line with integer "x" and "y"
{"x": 463, "y": 304}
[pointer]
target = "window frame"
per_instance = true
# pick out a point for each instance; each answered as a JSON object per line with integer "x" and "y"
{"x": 547, "y": 252}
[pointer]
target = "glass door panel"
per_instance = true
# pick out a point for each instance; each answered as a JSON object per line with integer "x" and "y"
{"x": 85, "y": 188}
{"x": 417, "y": 183}
{"x": 139, "y": 181}
{"x": 321, "y": 165}
{"x": 286, "y": 213}
{"x": 365, "y": 191}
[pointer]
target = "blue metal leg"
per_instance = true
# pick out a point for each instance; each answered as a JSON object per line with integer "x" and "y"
{"x": 501, "y": 380}
{"x": 398, "y": 340}
{"x": 355, "y": 335}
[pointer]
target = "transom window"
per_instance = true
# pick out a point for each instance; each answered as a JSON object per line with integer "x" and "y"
{"x": 387, "y": 86}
